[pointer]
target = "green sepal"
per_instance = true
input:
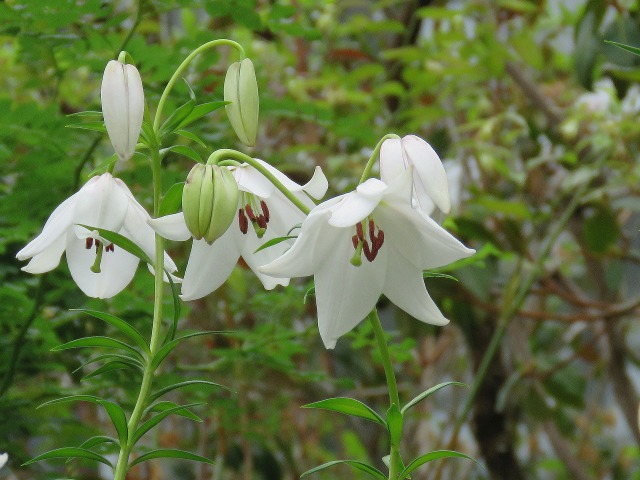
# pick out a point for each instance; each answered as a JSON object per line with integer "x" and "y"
{"x": 187, "y": 383}
{"x": 169, "y": 453}
{"x": 348, "y": 406}
{"x": 428, "y": 457}
{"x": 428, "y": 392}
{"x": 363, "y": 467}
{"x": 123, "y": 326}
{"x": 70, "y": 452}
{"x": 394, "y": 425}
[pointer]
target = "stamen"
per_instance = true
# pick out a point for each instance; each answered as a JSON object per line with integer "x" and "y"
{"x": 379, "y": 240}
{"x": 244, "y": 223}
{"x": 95, "y": 268}
{"x": 88, "y": 243}
{"x": 265, "y": 210}
{"x": 250, "y": 214}
{"x": 262, "y": 221}
{"x": 359, "y": 231}
{"x": 110, "y": 247}
{"x": 368, "y": 253}
{"x": 372, "y": 230}
{"x": 354, "y": 240}
{"x": 98, "y": 245}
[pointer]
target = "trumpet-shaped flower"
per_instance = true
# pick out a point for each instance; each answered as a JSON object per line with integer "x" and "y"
{"x": 398, "y": 242}
{"x": 3, "y": 459}
{"x": 430, "y": 186}
{"x": 122, "y": 106}
{"x": 264, "y": 213}
{"x": 100, "y": 268}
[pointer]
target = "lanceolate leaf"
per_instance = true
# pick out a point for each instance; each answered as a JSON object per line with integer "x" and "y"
{"x": 628, "y": 48}
{"x": 104, "y": 342}
{"x": 156, "y": 419}
{"x": 176, "y": 311}
{"x": 132, "y": 362}
{"x": 426, "y": 393}
{"x": 183, "y": 150}
{"x": 166, "y": 405}
{"x": 168, "y": 347}
{"x": 177, "y": 117}
{"x": 122, "y": 242}
{"x": 428, "y": 457}
{"x": 94, "y": 126}
{"x": 70, "y": 452}
{"x": 200, "y": 111}
{"x": 106, "y": 368}
{"x": 172, "y": 200}
{"x": 191, "y": 136}
{"x": 363, "y": 467}
{"x": 167, "y": 453}
{"x": 121, "y": 325}
{"x": 175, "y": 386}
{"x": 348, "y": 406}
{"x": 274, "y": 241}
{"x": 98, "y": 440}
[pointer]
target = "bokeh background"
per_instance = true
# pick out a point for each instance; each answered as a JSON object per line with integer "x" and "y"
{"x": 536, "y": 119}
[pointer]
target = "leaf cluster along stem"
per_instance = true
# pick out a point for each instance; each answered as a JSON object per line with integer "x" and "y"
{"x": 395, "y": 462}
{"x": 181, "y": 68}
{"x": 228, "y": 154}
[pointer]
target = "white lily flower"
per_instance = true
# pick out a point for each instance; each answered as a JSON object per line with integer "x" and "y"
{"x": 122, "y": 106}
{"x": 430, "y": 186}
{"x": 3, "y": 459}
{"x": 398, "y": 243}
{"x": 264, "y": 213}
{"x": 99, "y": 268}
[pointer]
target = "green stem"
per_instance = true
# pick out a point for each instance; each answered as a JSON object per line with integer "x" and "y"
{"x": 372, "y": 159}
{"x": 154, "y": 344}
{"x": 395, "y": 462}
{"x": 183, "y": 65}
{"x": 228, "y": 154}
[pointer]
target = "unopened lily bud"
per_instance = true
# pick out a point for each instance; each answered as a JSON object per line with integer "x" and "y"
{"x": 209, "y": 201}
{"x": 241, "y": 89}
{"x": 122, "y": 106}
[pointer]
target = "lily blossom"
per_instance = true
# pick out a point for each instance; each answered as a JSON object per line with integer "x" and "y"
{"x": 100, "y": 268}
{"x": 430, "y": 186}
{"x": 3, "y": 459}
{"x": 263, "y": 214}
{"x": 122, "y": 106}
{"x": 398, "y": 242}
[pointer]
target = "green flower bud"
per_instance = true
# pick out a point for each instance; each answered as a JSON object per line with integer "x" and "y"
{"x": 241, "y": 89}
{"x": 209, "y": 201}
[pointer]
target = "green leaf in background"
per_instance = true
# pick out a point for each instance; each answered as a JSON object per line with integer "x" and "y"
{"x": 429, "y": 457}
{"x": 428, "y": 392}
{"x": 166, "y": 405}
{"x": 123, "y": 326}
{"x": 168, "y": 347}
{"x": 348, "y": 406}
{"x": 156, "y": 419}
{"x": 628, "y": 48}
{"x": 274, "y": 241}
{"x": 191, "y": 136}
{"x": 169, "y": 453}
{"x": 92, "y": 342}
{"x": 126, "y": 359}
{"x": 93, "y": 126}
{"x": 70, "y": 452}
{"x": 187, "y": 383}
{"x": 183, "y": 150}
{"x": 361, "y": 466}
{"x": 172, "y": 200}
{"x": 198, "y": 112}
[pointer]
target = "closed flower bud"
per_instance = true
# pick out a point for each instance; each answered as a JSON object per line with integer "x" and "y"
{"x": 241, "y": 89}
{"x": 209, "y": 201}
{"x": 122, "y": 106}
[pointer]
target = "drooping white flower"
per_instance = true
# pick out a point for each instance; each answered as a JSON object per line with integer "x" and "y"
{"x": 264, "y": 213}
{"x": 3, "y": 459}
{"x": 397, "y": 241}
{"x": 100, "y": 268}
{"x": 430, "y": 186}
{"x": 122, "y": 106}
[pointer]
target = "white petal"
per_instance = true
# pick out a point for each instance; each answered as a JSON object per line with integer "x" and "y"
{"x": 356, "y": 206}
{"x": 393, "y": 162}
{"x": 135, "y": 109}
{"x": 172, "y": 227}
{"x": 3, "y": 459}
{"x": 418, "y": 238}
{"x": 49, "y": 258}
{"x": 404, "y": 286}
{"x": 431, "y": 175}
{"x": 59, "y": 221}
{"x": 318, "y": 185}
{"x": 209, "y": 266}
{"x": 101, "y": 204}
{"x": 346, "y": 294}
{"x": 116, "y": 269}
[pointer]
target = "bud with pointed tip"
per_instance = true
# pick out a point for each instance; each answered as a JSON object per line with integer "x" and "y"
{"x": 122, "y": 106}
{"x": 241, "y": 89}
{"x": 209, "y": 201}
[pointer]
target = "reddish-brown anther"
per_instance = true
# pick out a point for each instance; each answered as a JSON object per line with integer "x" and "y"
{"x": 88, "y": 243}
{"x": 354, "y": 240}
{"x": 368, "y": 252}
{"x": 110, "y": 247}
{"x": 359, "y": 231}
{"x": 372, "y": 230}
{"x": 261, "y": 221}
{"x": 242, "y": 220}
{"x": 97, "y": 245}
{"x": 265, "y": 210}
{"x": 250, "y": 214}
{"x": 379, "y": 240}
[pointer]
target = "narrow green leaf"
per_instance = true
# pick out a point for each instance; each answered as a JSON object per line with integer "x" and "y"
{"x": 168, "y": 453}
{"x": 119, "y": 419}
{"x": 98, "y": 440}
{"x": 103, "y": 166}
{"x": 363, "y": 467}
{"x": 124, "y": 327}
{"x": 428, "y": 392}
{"x": 177, "y": 305}
{"x": 172, "y": 200}
{"x": 104, "y": 342}
{"x": 156, "y": 419}
{"x": 168, "y": 347}
{"x": 200, "y": 111}
{"x": 121, "y": 241}
{"x": 187, "y": 383}
{"x": 274, "y": 241}
{"x": 165, "y": 405}
{"x": 628, "y": 48}
{"x": 348, "y": 406}
{"x": 394, "y": 425}
{"x": 132, "y": 362}
{"x": 86, "y": 113}
{"x": 191, "y": 136}
{"x": 428, "y": 457}
{"x": 106, "y": 368}
{"x": 71, "y": 398}
{"x": 69, "y": 452}
{"x": 427, "y": 274}
{"x": 93, "y": 126}
{"x": 183, "y": 150}
{"x": 147, "y": 134}
{"x": 175, "y": 120}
